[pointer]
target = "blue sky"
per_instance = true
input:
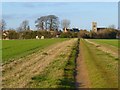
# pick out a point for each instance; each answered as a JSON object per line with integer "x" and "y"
{"x": 81, "y": 14}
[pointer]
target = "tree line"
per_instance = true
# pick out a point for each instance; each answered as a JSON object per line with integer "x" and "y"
{"x": 48, "y": 23}
{"x": 48, "y": 26}
{"x": 108, "y": 33}
{"x": 30, "y": 34}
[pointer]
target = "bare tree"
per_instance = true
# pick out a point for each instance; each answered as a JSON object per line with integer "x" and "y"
{"x": 2, "y": 25}
{"x": 28, "y": 28}
{"x": 65, "y": 23}
{"x": 50, "y": 22}
{"x": 24, "y": 25}
{"x": 19, "y": 29}
{"x": 40, "y": 23}
{"x": 53, "y": 22}
{"x": 112, "y": 26}
{"x": 46, "y": 22}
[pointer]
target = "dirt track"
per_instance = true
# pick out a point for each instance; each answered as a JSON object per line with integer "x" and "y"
{"x": 82, "y": 78}
{"x": 90, "y": 64}
{"x": 17, "y": 74}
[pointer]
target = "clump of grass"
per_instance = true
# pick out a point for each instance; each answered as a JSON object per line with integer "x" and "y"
{"x": 98, "y": 46}
{"x": 117, "y": 59}
{"x": 38, "y": 78}
{"x": 45, "y": 53}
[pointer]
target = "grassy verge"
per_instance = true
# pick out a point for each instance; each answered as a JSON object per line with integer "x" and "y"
{"x": 107, "y": 42}
{"x": 107, "y": 45}
{"x": 60, "y": 73}
{"x": 102, "y": 67}
{"x": 14, "y": 49}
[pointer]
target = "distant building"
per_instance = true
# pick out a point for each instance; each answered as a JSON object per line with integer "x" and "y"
{"x": 65, "y": 29}
{"x": 100, "y": 28}
{"x": 5, "y": 35}
{"x": 95, "y": 28}
{"x": 75, "y": 30}
{"x": 118, "y": 28}
{"x": 42, "y": 37}
{"x": 117, "y": 36}
{"x": 71, "y": 30}
{"x": 37, "y": 37}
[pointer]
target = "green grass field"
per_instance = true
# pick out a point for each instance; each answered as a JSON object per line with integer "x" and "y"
{"x": 12, "y": 49}
{"x": 102, "y": 67}
{"x": 53, "y": 69}
{"x": 112, "y": 42}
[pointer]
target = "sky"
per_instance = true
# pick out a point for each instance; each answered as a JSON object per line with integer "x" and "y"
{"x": 60, "y": 0}
{"x": 119, "y": 15}
{"x": 81, "y": 14}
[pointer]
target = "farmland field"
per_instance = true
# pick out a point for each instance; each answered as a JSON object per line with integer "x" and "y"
{"x": 42, "y": 69}
{"x": 60, "y": 63}
{"x": 12, "y": 49}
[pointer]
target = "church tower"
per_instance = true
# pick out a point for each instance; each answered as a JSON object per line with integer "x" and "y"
{"x": 94, "y": 26}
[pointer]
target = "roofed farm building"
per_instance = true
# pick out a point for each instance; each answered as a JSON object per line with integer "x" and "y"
{"x": 71, "y": 30}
